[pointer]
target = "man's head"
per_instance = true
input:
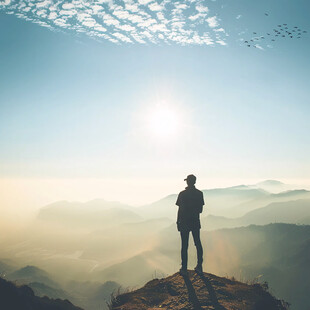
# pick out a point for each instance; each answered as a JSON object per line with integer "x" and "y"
{"x": 190, "y": 180}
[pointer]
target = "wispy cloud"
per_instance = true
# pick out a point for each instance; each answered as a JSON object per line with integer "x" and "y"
{"x": 128, "y": 21}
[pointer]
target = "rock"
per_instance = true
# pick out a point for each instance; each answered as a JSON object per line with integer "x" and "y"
{"x": 197, "y": 292}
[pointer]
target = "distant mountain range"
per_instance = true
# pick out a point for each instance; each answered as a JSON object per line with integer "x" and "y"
{"x": 272, "y": 186}
{"x": 96, "y": 213}
{"x": 217, "y": 201}
{"x": 230, "y": 202}
{"x": 293, "y": 211}
{"x": 285, "y": 196}
{"x": 41, "y": 290}
{"x": 91, "y": 296}
{"x": 276, "y": 253}
{"x": 135, "y": 270}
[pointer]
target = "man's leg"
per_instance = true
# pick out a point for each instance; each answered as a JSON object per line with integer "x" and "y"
{"x": 184, "y": 239}
{"x": 196, "y": 236}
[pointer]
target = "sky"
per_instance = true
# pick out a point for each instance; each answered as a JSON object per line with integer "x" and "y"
{"x": 122, "y": 99}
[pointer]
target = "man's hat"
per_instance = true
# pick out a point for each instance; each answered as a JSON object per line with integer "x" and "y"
{"x": 190, "y": 177}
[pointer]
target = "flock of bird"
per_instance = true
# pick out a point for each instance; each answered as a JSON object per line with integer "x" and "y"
{"x": 280, "y": 32}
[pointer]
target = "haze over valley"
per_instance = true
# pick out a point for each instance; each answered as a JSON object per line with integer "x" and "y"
{"x": 85, "y": 251}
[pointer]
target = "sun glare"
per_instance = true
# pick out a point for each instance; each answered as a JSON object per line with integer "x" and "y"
{"x": 163, "y": 122}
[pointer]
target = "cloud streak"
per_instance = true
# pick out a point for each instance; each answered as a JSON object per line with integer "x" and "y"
{"x": 187, "y": 22}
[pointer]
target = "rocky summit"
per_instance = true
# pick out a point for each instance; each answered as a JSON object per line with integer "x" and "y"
{"x": 198, "y": 291}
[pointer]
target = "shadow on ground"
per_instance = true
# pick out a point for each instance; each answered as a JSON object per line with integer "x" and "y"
{"x": 192, "y": 296}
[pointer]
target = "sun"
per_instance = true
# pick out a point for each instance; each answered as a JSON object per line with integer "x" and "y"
{"x": 163, "y": 121}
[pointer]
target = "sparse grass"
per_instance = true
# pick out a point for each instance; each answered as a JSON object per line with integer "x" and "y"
{"x": 285, "y": 304}
{"x": 253, "y": 281}
{"x": 159, "y": 275}
{"x": 114, "y": 297}
{"x": 264, "y": 285}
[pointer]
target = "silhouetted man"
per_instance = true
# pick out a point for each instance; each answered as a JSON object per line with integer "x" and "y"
{"x": 190, "y": 202}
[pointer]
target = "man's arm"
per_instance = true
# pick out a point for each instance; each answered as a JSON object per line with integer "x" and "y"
{"x": 179, "y": 199}
{"x": 202, "y": 202}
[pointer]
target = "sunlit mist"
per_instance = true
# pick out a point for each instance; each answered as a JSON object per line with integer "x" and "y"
{"x": 163, "y": 122}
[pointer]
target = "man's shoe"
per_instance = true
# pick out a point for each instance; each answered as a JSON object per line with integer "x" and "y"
{"x": 198, "y": 269}
{"x": 183, "y": 272}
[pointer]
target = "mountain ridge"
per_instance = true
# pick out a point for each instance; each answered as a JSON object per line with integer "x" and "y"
{"x": 22, "y": 297}
{"x": 292, "y": 211}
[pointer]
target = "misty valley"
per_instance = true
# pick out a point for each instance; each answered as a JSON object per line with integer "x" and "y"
{"x": 84, "y": 252}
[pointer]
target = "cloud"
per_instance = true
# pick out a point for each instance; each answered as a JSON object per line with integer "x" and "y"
{"x": 100, "y": 28}
{"x": 68, "y": 12}
{"x": 197, "y": 16}
{"x": 158, "y": 27}
{"x": 110, "y": 20}
{"x": 221, "y": 42}
{"x": 161, "y": 17}
{"x": 219, "y": 30}
{"x": 127, "y": 28}
{"x": 202, "y": 9}
{"x": 61, "y": 23}
{"x": 96, "y": 8}
{"x": 122, "y": 37}
{"x": 133, "y": 7}
{"x": 184, "y": 22}
{"x": 121, "y": 14}
{"x": 155, "y": 7}
{"x": 138, "y": 38}
{"x": 89, "y": 22}
{"x": 144, "y": 2}
{"x": 181, "y": 6}
{"x": 5, "y": 2}
{"x": 212, "y": 21}
{"x": 43, "y": 4}
{"x": 136, "y": 19}
{"x": 67, "y": 6}
{"x": 41, "y": 13}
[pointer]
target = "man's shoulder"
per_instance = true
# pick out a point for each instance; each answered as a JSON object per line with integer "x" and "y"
{"x": 182, "y": 192}
{"x": 199, "y": 191}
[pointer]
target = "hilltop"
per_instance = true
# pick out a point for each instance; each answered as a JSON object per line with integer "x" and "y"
{"x": 22, "y": 297}
{"x": 205, "y": 291}
{"x": 30, "y": 274}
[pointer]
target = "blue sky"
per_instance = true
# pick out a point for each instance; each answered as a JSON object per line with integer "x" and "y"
{"x": 77, "y": 95}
